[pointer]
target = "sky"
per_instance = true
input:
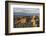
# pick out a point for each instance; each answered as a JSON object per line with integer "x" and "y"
{"x": 26, "y": 10}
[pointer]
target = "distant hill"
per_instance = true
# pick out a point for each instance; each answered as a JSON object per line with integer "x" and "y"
{"x": 26, "y": 14}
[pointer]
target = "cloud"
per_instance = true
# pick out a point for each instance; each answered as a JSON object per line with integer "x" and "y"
{"x": 26, "y": 10}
